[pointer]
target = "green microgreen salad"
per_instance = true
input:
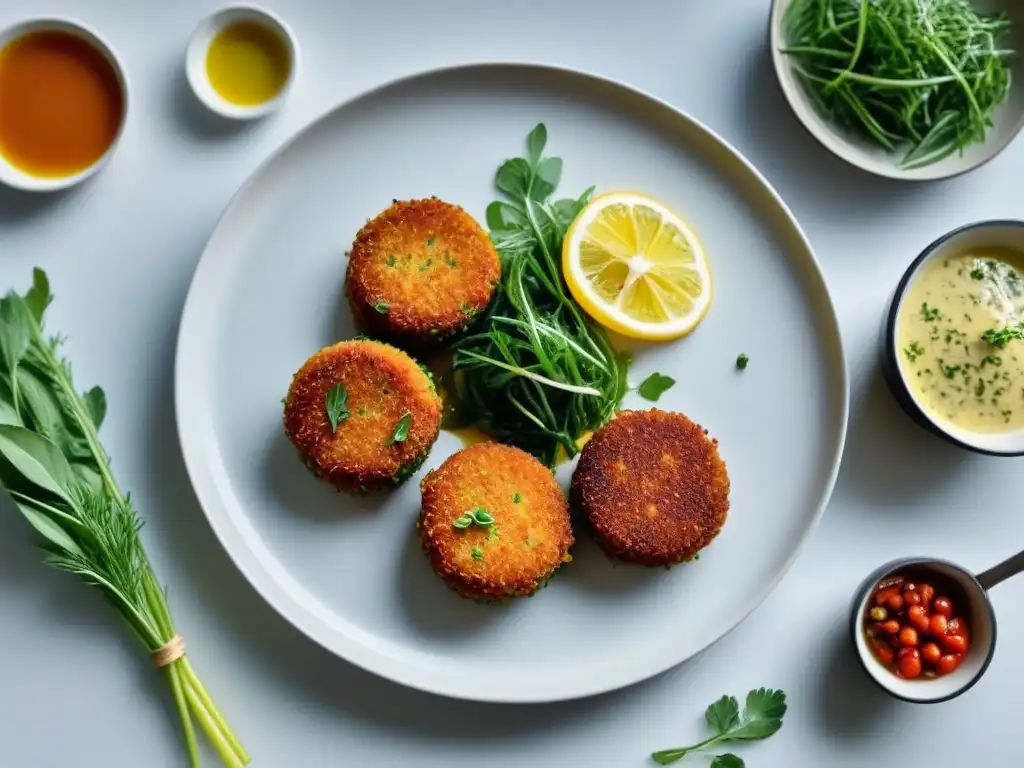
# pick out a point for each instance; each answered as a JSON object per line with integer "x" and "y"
{"x": 921, "y": 78}
{"x": 761, "y": 717}
{"x": 537, "y": 373}
{"x": 54, "y": 469}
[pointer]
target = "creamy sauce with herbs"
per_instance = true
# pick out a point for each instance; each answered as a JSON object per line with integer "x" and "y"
{"x": 955, "y": 374}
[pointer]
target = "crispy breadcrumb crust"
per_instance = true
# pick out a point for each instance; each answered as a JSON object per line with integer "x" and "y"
{"x": 420, "y": 272}
{"x": 652, "y": 487}
{"x": 531, "y": 534}
{"x": 383, "y": 384}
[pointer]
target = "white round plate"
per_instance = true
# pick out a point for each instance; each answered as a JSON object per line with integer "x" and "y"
{"x": 348, "y": 571}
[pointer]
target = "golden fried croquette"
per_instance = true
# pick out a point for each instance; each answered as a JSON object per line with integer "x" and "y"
{"x": 530, "y": 535}
{"x": 386, "y": 409}
{"x": 652, "y": 486}
{"x": 420, "y": 272}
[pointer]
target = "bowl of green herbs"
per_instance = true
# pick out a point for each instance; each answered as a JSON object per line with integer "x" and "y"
{"x": 907, "y": 89}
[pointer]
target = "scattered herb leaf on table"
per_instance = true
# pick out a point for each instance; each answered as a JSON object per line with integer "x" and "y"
{"x": 761, "y": 717}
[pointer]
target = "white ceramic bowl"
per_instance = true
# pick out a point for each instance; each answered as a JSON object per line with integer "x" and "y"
{"x": 199, "y": 44}
{"x": 19, "y": 179}
{"x": 1008, "y": 118}
{"x": 979, "y": 236}
{"x": 981, "y": 621}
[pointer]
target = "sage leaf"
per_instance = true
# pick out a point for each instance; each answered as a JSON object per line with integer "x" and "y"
{"x": 15, "y": 335}
{"x": 38, "y": 460}
{"x": 96, "y": 404}
{"x": 40, "y": 406}
{"x": 8, "y": 415}
{"x": 48, "y": 528}
{"x": 38, "y": 297}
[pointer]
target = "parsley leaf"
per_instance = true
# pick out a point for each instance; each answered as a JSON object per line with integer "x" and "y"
{"x": 335, "y": 401}
{"x": 723, "y": 715}
{"x": 761, "y": 717}
{"x": 401, "y": 431}
{"x": 654, "y": 386}
{"x": 478, "y": 516}
{"x": 478, "y": 554}
{"x": 1000, "y": 337}
{"x": 382, "y": 307}
{"x": 762, "y": 714}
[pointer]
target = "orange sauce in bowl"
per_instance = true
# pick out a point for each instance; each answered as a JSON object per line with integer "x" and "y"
{"x": 61, "y": 103}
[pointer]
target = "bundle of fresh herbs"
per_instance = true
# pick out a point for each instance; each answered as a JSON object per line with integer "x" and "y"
{"x": 919, "y": 77}
{"x": 56, "y": 472}
{"x": 537, "y": 373}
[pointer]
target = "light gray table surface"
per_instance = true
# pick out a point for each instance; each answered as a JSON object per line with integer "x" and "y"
{"x": 120, "y": 252}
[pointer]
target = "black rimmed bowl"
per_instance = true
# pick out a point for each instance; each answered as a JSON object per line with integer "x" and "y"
{"x": 980, "y": 615}
{"x": 997, "y": 234}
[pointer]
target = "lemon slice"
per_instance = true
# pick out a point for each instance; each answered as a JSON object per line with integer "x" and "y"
{"x": 636, "y": 267}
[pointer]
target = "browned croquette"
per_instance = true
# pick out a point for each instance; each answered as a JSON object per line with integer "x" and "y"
{"x": 652, "y": 487}
{"x": 530, "y": 533}
{"x": 387, "y": 414}
{"x": 420, "y": 272}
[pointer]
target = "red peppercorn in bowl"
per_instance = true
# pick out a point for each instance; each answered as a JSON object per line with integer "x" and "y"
{"x": 924, "y": 629}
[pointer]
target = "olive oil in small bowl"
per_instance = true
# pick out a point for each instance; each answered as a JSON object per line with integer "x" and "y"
{"x": 953, "y": 353}
{"x": 241, "y": 62}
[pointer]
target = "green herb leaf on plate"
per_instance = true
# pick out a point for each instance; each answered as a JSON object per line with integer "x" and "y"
{"x": 482, "y": 517}
{"x": 401, "y": 431}
{"x": 654, "y": 386}
{"x": 335, "y": 404}
{"x": 742, "y": 360}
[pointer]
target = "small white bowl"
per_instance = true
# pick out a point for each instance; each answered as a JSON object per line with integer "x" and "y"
{"x": 199, "y": 45}
{"x": 981, "y": 619}
{"x": 13, "y": 176}
{"x": 981, "y": 235}
{"x": 1008, "y": 118}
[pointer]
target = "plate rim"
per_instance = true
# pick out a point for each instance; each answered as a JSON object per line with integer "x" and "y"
{"x": 376, "y": 662}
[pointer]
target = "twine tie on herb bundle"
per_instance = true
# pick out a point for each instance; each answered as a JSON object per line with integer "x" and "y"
{"x": 169, "y": 652}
